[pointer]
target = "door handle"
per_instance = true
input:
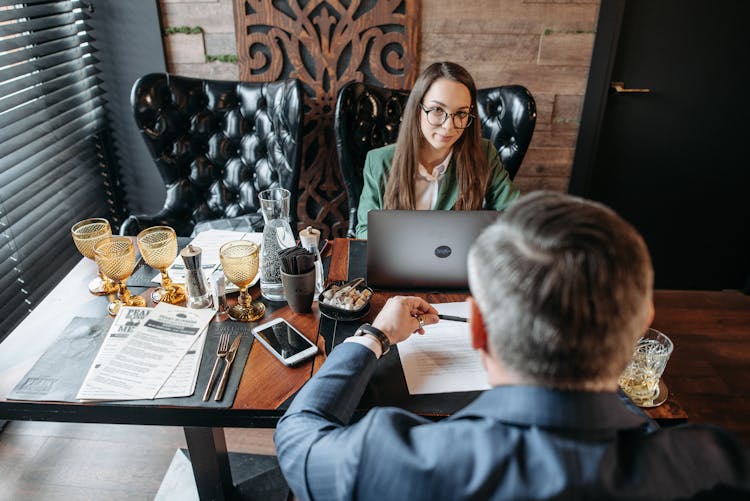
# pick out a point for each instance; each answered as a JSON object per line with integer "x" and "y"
{"x": 620, "y": 88}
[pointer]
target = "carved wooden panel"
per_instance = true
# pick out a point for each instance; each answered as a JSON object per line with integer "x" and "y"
{"x": 326, "y": 44}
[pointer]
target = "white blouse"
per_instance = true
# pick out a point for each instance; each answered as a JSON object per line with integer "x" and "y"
{"x": 426, "y": 185}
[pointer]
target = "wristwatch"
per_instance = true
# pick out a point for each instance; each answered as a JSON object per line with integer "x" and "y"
{"x": 385, "y": 343}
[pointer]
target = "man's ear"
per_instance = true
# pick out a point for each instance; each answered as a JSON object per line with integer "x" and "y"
{"x": 476, "y": 326}
{"x": 651, "y": 313}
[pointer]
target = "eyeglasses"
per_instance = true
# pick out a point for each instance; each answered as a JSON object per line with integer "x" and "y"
{"x": 437, "y": 117}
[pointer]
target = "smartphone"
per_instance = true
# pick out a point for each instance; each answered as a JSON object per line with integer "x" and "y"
{"x": 284, "y": 341}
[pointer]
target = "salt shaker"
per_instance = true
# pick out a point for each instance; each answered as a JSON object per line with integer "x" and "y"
{"x": 309, "y": 238}
{"x": 195, "y": 283}
{"x": 218, "y": 290}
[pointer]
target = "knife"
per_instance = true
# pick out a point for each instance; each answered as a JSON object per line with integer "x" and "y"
{"x": 229, "y": 359}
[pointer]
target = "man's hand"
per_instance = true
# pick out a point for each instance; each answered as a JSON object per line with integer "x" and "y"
{"x": 399, "y": 318}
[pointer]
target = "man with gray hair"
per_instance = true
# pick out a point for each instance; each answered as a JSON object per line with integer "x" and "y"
{"x": 562, "y": 289}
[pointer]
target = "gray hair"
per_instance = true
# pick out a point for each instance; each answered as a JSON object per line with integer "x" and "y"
{"x": 564, "y": 286}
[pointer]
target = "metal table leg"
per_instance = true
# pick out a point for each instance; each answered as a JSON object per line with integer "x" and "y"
{"x": 208, "y": 455}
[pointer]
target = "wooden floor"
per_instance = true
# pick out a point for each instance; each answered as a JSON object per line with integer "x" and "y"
{"x": 64, "y": 461}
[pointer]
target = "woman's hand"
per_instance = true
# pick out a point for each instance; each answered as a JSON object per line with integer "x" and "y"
{"x": 400, "y": 316}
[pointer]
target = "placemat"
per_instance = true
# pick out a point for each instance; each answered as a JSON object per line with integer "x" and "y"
{"x": 60, "y": 371}
{"x": 143, "y": 274}
{"x": 357, "y": 266}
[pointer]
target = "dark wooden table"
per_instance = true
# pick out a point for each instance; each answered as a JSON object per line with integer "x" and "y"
{"x": 707, "y": 374}
{"x": 709, "y": 370}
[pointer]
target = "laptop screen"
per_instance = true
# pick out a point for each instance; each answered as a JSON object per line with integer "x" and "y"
{"x": 422, "y": 249}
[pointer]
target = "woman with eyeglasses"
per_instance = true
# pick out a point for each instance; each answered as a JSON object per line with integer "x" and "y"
{"x": 440, "y": 160}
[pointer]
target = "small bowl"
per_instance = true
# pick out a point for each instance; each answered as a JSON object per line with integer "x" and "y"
{"x": 337, "y": 313}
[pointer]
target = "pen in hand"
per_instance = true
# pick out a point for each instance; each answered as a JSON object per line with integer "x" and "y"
{"x": 453, "y": 318}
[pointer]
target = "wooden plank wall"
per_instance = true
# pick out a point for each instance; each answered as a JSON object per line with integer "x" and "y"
{"x": 544, "y": 45}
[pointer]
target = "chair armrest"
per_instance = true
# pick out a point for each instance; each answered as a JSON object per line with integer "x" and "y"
{"x": 352, "y": 231}
{"x": 135, "y": 223}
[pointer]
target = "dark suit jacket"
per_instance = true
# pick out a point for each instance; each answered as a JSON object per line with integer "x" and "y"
{"x": 512, "y": 442}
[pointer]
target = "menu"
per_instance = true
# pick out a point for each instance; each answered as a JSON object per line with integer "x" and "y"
{"x": 148, "y": 353}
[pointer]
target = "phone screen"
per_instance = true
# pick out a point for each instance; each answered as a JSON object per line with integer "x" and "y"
{"x": 283, "y": 339}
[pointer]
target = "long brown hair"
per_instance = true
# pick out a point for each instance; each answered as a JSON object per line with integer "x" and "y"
{"x": 472, "y": 169}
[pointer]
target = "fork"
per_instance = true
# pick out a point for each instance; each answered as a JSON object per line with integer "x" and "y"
{"x": 221, "y": 353}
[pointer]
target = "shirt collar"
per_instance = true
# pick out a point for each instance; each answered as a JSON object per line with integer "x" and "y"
{"x": 545, "y": 407}
{"x": 437, "y": 172}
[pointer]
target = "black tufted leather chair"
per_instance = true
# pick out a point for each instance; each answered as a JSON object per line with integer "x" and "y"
{"x": 217, "y": 144}
{"x": 508, "y": 117}
{"x": 368, "y": 117}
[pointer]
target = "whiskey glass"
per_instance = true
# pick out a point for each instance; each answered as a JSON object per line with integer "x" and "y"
{"x": 641, "y": 379}
{"x": 116, "y": 259}
{"x": 240, "y": 259}
{"x": 86, "y": 234}
{"x": 158, "y": 246}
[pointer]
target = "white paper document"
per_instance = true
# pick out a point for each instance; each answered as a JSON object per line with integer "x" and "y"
{"x": 442, "y": 360}
{"x": 148, "y": 353}
{"x": 210, "y": 242}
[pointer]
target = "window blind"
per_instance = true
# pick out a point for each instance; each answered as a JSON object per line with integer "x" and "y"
{"x": 53, "y": 171}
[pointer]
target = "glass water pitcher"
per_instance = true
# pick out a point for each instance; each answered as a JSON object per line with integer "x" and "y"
{"x": 277, "y": 235}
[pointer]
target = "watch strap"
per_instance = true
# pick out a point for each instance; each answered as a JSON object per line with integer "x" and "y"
{"x": 385, "y": 343}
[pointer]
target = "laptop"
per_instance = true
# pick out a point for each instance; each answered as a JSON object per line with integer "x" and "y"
{"x": 422, "y": 249}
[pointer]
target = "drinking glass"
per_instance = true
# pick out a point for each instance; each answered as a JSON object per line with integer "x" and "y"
{"x": 116, "y": 259}
{"x": 239, "y": 259}
{"x": 640, "y": 380}
{"x": 86, "y": 234}
{"x": 158, "y": 246}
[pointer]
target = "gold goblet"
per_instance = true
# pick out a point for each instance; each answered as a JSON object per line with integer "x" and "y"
{"x": 86, "y": 234}
{"x": 158, "y": 246}
{"x": 239, "y": 259}
{"x": 116, "y": 259}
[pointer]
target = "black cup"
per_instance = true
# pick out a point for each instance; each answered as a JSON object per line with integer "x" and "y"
{"x": 299, "y": 290}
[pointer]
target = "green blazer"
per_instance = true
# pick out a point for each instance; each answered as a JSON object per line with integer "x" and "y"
{"x": 500, "y": 190}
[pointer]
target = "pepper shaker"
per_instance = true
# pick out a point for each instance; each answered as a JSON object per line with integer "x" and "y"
{"x": 309, "y": 238}
{"x": 195, "y": 283}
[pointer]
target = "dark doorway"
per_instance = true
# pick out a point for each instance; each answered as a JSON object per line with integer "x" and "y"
{"x": 673, "y": 161}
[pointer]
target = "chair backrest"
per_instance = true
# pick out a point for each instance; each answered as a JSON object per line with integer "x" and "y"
{"x": 368, "y": 116}
{"x": 508, "y": 117}
{"x": 217, "y": 144}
